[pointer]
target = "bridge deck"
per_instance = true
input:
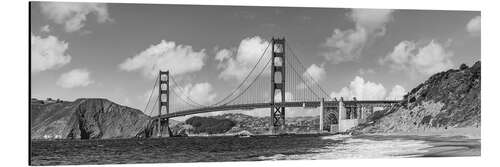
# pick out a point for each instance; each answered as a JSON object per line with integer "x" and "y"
{"x": 307, "y": 104}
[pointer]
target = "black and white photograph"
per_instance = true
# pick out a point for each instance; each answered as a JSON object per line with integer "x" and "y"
{"x": 156, "y": 83}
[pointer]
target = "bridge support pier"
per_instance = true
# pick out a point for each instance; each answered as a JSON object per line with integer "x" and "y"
{"x": 341, "y": 115}
{"x": 321, "y": 115}
{"x": 277, "y": 67}
{"x": 346, "y": 121}
{"x": 163, "y": 104}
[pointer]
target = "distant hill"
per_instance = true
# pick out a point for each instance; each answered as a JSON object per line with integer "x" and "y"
{"x": 447, "y": 99}
{"x": 85, "y": 119}
{"x": 210, "y": 125}
{"x": 260, "y": 125}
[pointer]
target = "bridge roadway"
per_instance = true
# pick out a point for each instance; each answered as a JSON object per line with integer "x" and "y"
{"x": 307, "y": 104}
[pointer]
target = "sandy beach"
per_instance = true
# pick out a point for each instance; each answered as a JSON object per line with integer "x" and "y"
{"x": 450, "y": 142}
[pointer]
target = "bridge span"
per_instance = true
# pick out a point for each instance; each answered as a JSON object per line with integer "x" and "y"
{"x": 304, "y": 104}
{"x": 287, "y": 85}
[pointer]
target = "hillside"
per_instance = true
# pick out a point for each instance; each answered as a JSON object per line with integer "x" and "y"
{"x": 85, "y": 119}
{"x": 210, "y": 125}
{"x": 449, "y": 99}
{"x": 260, "y": 125}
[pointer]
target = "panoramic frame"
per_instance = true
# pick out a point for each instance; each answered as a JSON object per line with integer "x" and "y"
{"x": 160, "y": 83}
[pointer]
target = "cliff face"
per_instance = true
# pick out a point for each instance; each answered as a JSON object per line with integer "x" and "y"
{"x": 447, "y": 99}
{"x": 86, "y": 119}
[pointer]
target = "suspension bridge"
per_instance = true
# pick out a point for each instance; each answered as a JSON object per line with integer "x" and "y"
{"x": 275, "y": 81}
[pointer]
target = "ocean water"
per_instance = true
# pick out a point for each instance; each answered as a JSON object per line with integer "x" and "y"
{"x": 228, "y": 148}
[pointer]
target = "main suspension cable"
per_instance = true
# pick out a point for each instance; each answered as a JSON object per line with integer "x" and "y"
{"x": 250, "y": 83}
{"x": 295, "y": 71}
{"x": 151, "y": 93}
{"x": 246, "y": 78}
{"x": 303, "y": 67}
{"x": 187, "y": 96}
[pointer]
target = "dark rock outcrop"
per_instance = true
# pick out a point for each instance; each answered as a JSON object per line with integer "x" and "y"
{"x": 447, "y": 99}
{"x": 182, "y": 130}
{"x": 210, "y": 125}
{"x": 86, "y": 119}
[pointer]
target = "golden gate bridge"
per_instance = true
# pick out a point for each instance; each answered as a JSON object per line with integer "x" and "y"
{"x": 270, "y": 83}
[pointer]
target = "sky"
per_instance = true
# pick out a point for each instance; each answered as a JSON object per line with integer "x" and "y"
{"x": 114, "y": 51}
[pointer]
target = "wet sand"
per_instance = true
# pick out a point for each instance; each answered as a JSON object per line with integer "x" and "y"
{"x": 451, "y": 142}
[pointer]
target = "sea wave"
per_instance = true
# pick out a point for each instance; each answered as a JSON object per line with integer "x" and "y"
{"x": 359, "y": 148}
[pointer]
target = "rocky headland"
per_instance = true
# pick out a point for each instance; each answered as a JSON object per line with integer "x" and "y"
{"x": 448, "y": 102}
{"x": 85, "y": 119}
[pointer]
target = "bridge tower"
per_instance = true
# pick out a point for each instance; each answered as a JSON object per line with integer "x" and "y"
{"x": 277, "y": 69}
{"x": 164, "y": 100}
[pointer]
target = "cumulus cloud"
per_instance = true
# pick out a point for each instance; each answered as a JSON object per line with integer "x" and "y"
{"x": 48, "y": 53}
{"x": 45, "y": 29}
{"x": 75, "y": 78}
{"x": 237, "y": 64}
{"x": 313, "y": 73}
{"x": 396, "y": 93}
{"x": 361, "y": 90}
{"x": 474, "y": 26}
{"x": 201, "y": 93}
{"x": 419, "y": 59}
{"x": 347, "y": 45}
{"x": 223, "y": 54}
{"x": 366, "y": 90}
{"x": 179, "y": 59}
{"x": 74, "y": 15}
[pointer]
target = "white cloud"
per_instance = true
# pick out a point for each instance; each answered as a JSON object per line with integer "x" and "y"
{"x": 237, "y": 66}
{"x": 345, "y": 45}
{"x": 366, "y": 90}
{"x": 45, "y": 29}
{"x": 74, "y": 15}
{"x": 396, "y": 93}
{"x": 75, "y": 78}
{"x": 348, "y": 45}
{"x": 474, "y": 26}
{"x": 48, "y": 53}
{"x": 179, "y": 59}
{"x": 361, "y": 90}
{"x": 313, "y": 73}
{"x": 201, "y": 93}
{"x": 426, "y": 60}
{"x": 223, "y": 55}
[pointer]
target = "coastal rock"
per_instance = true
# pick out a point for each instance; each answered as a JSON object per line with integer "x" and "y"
{"x": 182, "y": 130}
{"x": 449, "y": 99}
{"x": 86, "y": 119}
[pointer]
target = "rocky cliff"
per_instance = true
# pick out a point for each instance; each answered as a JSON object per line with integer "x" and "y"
{"x": 86, "y": 119}
{"x": 449, "y": 99}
